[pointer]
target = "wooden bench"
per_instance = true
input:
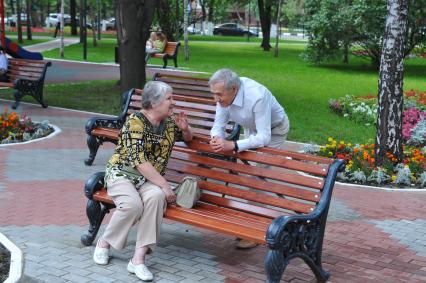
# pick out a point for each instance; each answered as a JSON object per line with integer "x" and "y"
{"x": 27, "y": 78}
{"x": 170, "y": 52}
{"x": 194, "y": 99}
{"x": 285, "y": 210}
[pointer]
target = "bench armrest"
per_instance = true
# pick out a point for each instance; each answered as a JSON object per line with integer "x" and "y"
{"x": 235, "y": 133}
{"x": 111, "y": 122}
{"x": 93, "y": 184}
{"x": 296, "y": 231}
{"x": 104, "y": 122}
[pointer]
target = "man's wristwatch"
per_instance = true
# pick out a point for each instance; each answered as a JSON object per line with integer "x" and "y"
{"x": 235, "y": 146}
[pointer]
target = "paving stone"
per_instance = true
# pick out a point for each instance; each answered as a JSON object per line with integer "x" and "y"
{"x": 77, "y": 278}
{"x": 365, "y": 241}
{"x": 414, "y": 237}
{"x": 170, "y": 276}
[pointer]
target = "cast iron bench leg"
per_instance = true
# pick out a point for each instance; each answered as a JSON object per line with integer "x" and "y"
{"x": 18, "y": 96}
{"x": 96, "y": 213}
{"x": 93, "y": 145}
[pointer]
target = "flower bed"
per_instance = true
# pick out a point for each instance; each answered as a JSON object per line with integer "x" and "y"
{"x": 360, "y": 168}
{"x": 363, "y": 109}
{"x": 15, "y": 129}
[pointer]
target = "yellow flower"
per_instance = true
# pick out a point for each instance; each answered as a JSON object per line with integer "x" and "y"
{"x": 342, "y": 142}
{"x": 393, "y": 177}
{"x": 330, "y": 153}
{"x": 330, "y": 139}
{"x": 349, "y": 145}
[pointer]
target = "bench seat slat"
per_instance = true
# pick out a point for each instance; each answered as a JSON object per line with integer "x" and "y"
{"x": 189, "y": 216}
{"x": 204, "y": 217}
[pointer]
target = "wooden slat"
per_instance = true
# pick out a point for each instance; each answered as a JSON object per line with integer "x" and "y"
{"x": 295, "y": 155}
{"x": 210, "y": 217}
{"x": 316, "y": 169}
{"x": 246, "y": 182}
{"x": 189, "y": 216}
{"x": 183, "y": 154}
{"x": 240, "y": 206}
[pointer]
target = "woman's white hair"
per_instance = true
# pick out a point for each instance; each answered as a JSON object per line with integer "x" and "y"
{"x": 153, "y": 93}
{"x": 226, "y": 76}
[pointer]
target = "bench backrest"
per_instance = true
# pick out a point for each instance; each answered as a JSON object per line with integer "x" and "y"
{"x": 186, "y": 85}
{"x": 33, "y": 70}
{"x": 278, "y": 188}
{"x": 200, "y": 111}
{"x": 171, "y": 48}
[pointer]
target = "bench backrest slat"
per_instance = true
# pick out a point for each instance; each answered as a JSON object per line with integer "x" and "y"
{"x": 270, "y": 159}
{"x": 297, "y": 179}
{"x": 171, "y": 48}
{"x": 244, "y": 181}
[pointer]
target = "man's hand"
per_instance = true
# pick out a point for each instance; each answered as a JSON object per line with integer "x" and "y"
{"x": 182, "y": 121}
{"x": 170, "y": 195}
{"x": 220, "y": 144}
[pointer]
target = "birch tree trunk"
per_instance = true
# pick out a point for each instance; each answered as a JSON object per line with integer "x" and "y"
{"x": 133, "y": 19}
{"x": 390, "y": 96}
{"x": 277, "y": 37}
{"x": 185, "y": 29}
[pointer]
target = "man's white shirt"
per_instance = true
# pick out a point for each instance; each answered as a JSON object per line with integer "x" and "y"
{"x": 256, "y": 110}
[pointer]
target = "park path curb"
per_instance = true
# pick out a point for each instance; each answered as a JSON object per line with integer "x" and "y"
{"x": 16, "y": 260}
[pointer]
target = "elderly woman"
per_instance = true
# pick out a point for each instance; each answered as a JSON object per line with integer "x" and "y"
{"x": 134, "y": 176}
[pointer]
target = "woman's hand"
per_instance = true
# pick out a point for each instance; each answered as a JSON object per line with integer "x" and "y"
{"x": 170, "y": 195}
{"x": 182, "y": 121}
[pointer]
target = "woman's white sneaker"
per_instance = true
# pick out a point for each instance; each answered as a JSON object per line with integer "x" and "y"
{"x": 101, "y": 255}
{"x": 141, "y": 271}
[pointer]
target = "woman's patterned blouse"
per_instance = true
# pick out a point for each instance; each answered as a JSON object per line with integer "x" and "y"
{"x": 139, "y": 141}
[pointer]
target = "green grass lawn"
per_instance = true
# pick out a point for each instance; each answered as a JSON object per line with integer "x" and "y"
{"x": 95, "y": 96}
{"x": 303, "y": 89}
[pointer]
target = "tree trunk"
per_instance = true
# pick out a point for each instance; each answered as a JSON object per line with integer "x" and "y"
{"x": 28, "y": 10}
{"x": 73, "y": 5}
{"x": 134, "y": 19}
{"x": 18, "y": 21}
{"x": 211, "y": 11}
{"x": 165, "y": 19}
{"x": 277, "y": 39}
{"x": 390, "y": 96}
{"x": 185, "y": 29}
{"x": 81, "y": 21}
{"x": 265, "y": 22}
{"x": 12, "y": 7}
{"x": 345, "y": 59}
{"x": 177, "y": 20}
{"x": 93, "y": 23}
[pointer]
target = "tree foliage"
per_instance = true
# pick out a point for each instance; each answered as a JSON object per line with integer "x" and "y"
{"x": 335, "y": 25}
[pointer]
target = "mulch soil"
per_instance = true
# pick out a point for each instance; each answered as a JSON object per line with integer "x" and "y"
{"x": 4, "y": 263}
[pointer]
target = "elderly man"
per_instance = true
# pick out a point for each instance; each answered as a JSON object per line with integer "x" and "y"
{"x": 250, "y": 104}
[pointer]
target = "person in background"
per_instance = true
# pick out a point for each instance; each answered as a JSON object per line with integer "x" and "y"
{"x": 4, "y": 64}
{"x": 251, "y": 105}
{"x": 151, "y": 40}
{"x": 158, "y": 46}
{"x": 135, "y": 180}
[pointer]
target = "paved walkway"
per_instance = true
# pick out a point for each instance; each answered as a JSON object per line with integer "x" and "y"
{"x": 371, "y": 235}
